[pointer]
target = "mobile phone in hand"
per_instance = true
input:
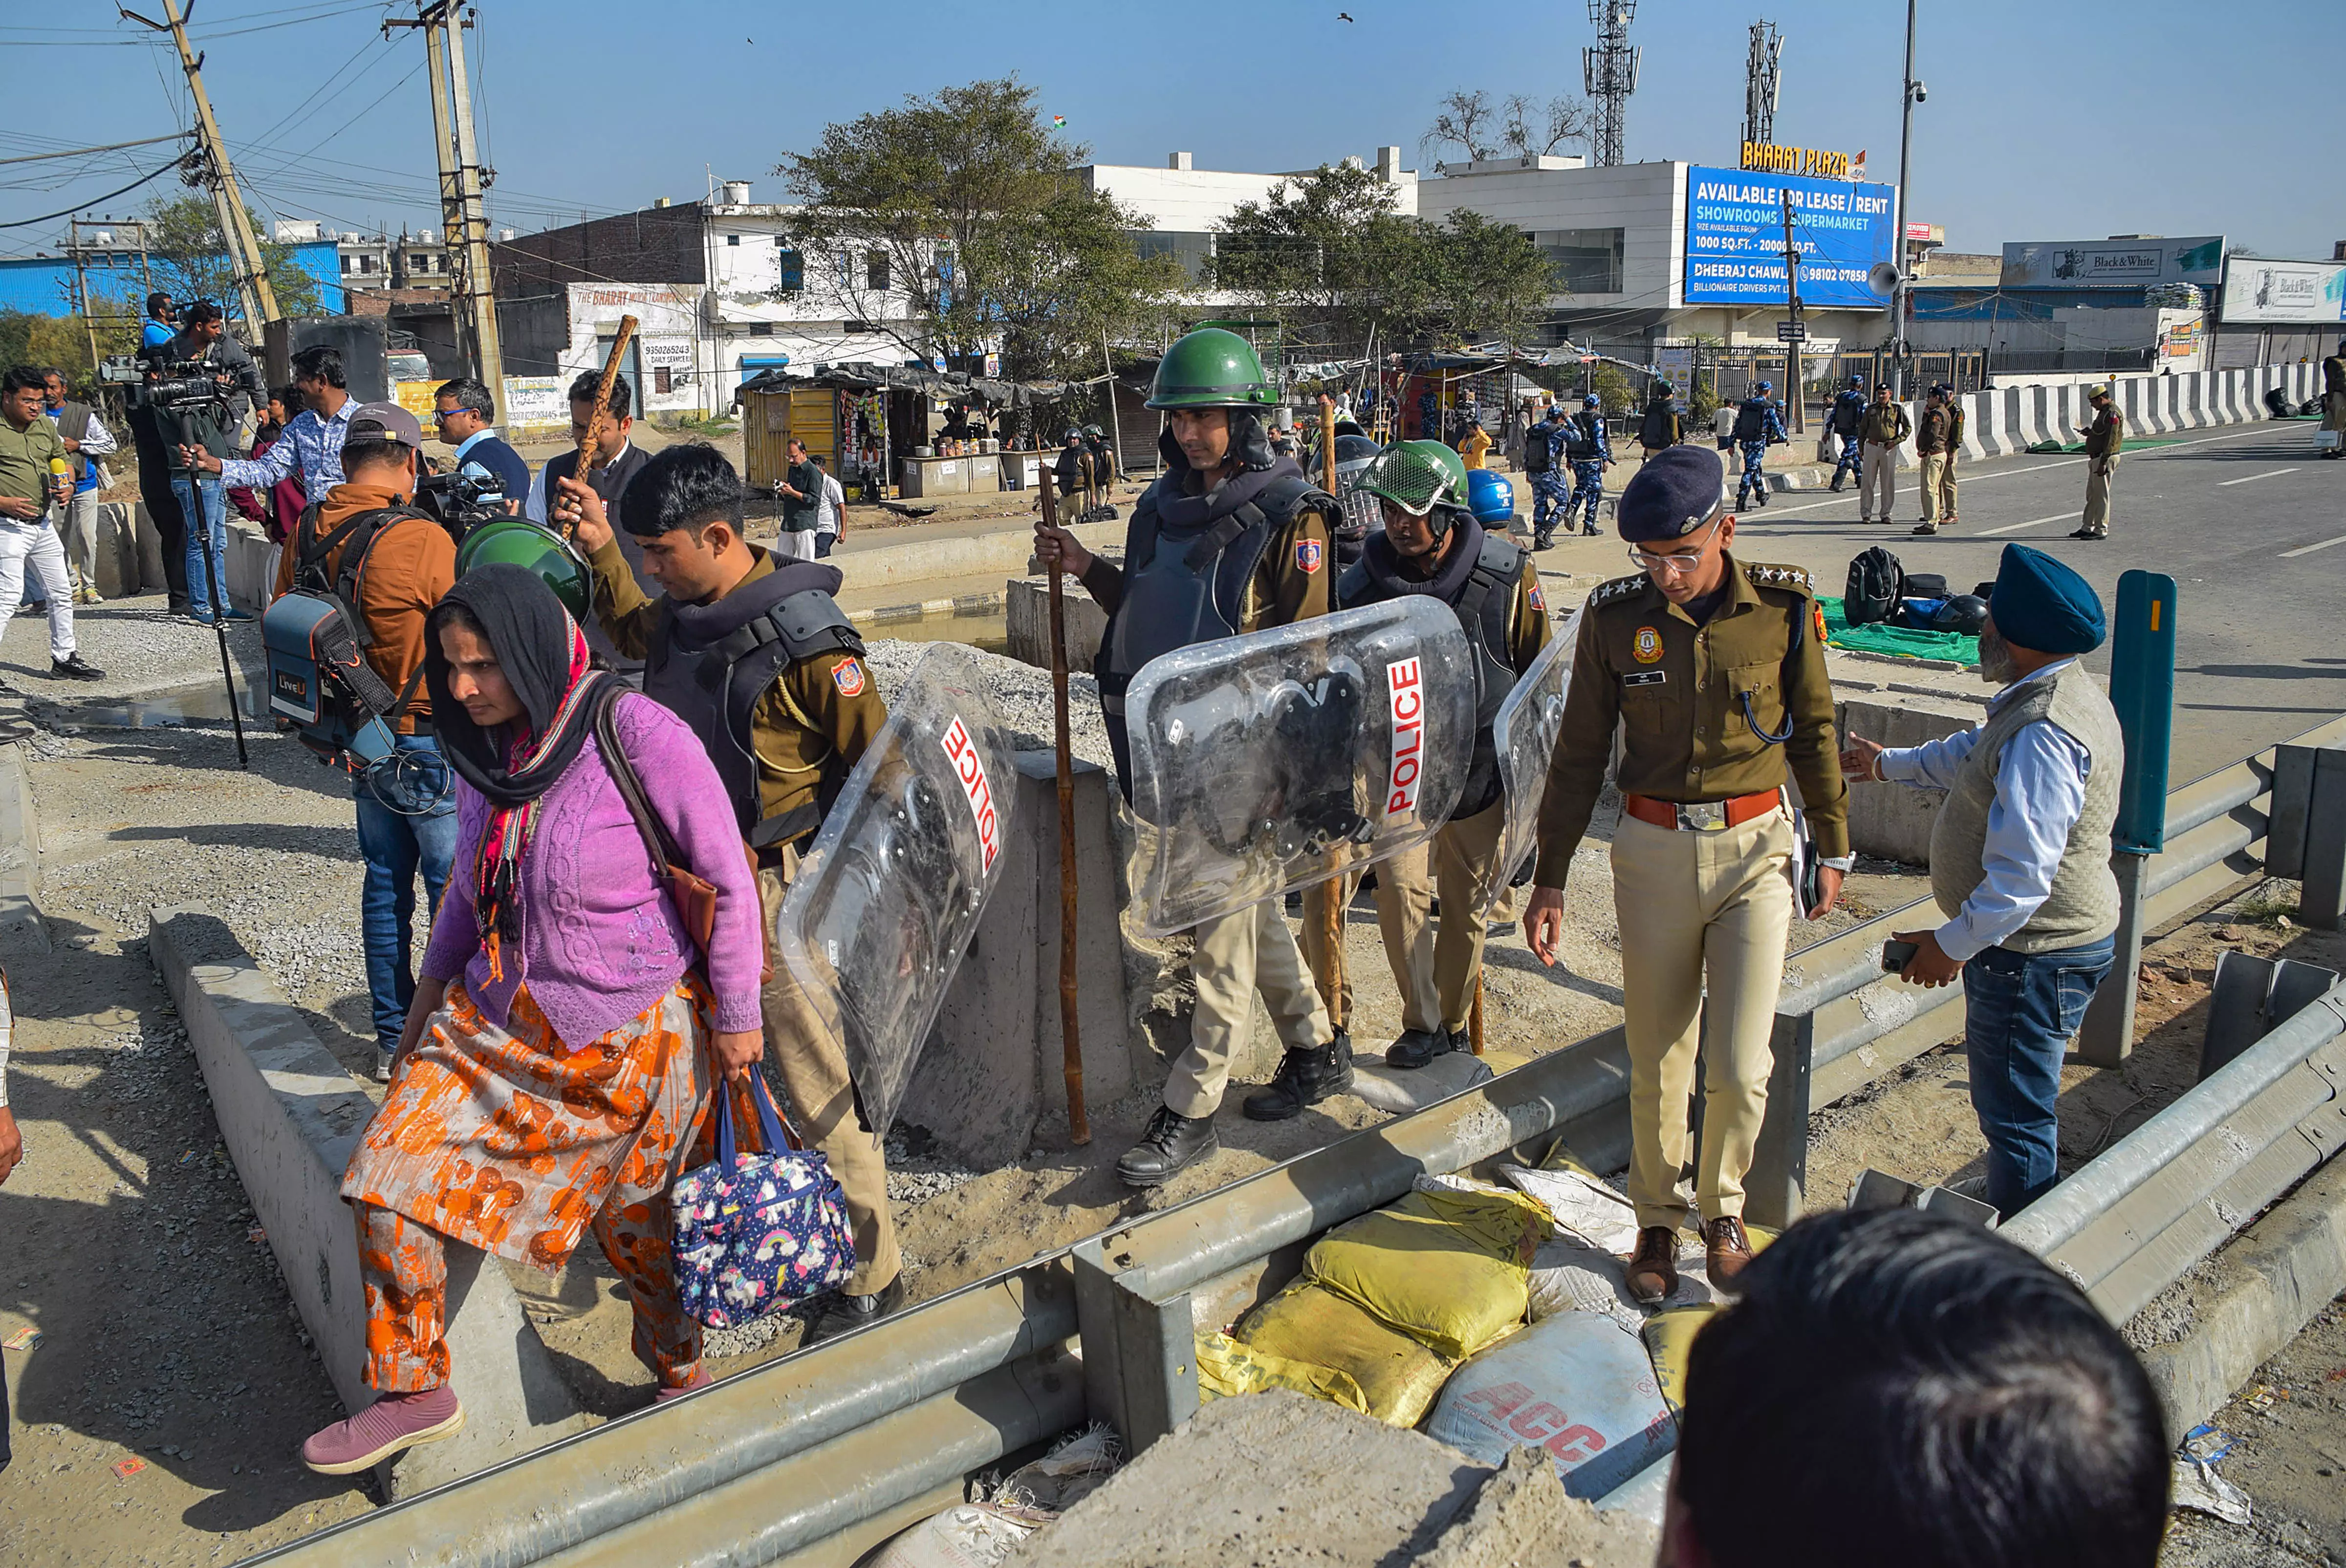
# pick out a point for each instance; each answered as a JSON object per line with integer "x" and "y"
{"x": 1897, "y": 955}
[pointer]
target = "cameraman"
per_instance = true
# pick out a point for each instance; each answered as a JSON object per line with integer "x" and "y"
{"x": 29, "y": 487}
{"x": 467, "y": 420}
{"x": 156, "y": 336}
{"x": 200, "y": 422}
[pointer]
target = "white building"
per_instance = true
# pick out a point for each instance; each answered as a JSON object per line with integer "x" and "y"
{"x": 1184, "y": 203}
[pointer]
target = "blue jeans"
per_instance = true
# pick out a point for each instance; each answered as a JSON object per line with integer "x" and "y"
{"x": 407, "y": 823}
{"x": 206, "y": 541}
{"x": 2021, "y": 1010}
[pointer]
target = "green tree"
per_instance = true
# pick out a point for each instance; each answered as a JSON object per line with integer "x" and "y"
{"x": 1328, "y": 254}
{"x": 62, "y": 343}
{"x": 190, "y": 258}
{"x": 958, "y": 220}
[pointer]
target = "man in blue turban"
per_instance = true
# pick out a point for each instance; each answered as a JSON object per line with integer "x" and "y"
{"x": 2020, "y": 858}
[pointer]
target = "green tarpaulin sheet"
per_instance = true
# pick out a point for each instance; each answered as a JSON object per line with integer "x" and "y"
{"x": 1894, "y": 640}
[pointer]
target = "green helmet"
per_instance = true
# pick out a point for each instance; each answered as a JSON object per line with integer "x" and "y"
{"x": 1416, "y": 476}
{"x": 517, "y": 542}
{"x": 1211, "y": 368}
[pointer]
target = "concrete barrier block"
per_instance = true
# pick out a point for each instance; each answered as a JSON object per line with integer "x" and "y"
{"x": 22, "y": 931}
{"x": 251, "y": 569}
{"x": 990, "y": 1079}
{"x": 1892, "y": 821}
{"x": 147, "y": 542}
{"x": 1001, "y": 554}
{"x": 1027, "y": 613}
{"x": 290, "y": 1114}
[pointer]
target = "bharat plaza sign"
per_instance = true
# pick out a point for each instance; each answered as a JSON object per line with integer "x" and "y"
{"x": 1815, "y": 162}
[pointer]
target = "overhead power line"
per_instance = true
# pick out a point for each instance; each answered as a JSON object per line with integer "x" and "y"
{"x": 80, "y": 205}
{"x": 109, "y": 147}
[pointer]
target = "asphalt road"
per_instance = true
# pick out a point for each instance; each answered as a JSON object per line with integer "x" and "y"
{"x": 2249, "y": 522}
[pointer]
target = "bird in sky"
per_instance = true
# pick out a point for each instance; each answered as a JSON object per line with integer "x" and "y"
{"x": 1343, "y": 16}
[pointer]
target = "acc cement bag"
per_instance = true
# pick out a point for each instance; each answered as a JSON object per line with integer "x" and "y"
{"x": 1578, "y": 1386}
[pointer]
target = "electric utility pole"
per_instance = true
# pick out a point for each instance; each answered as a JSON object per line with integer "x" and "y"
{"x": 1798, "y": 341}
{"x": 1912, "y": 94}
{"x": 256, "y": 299}
{"x": 463, "y": 220}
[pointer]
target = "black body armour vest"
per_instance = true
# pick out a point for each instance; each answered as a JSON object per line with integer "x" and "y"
{"x": 709, "y": 664}
{"x": 1187, "y": 563}
{"x": 1478, "y": 583}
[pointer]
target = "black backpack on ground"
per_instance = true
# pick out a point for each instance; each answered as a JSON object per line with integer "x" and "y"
{"x": 1876, "y": 584}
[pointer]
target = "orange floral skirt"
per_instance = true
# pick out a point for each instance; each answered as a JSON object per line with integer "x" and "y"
{"x": 510, "y": 1141}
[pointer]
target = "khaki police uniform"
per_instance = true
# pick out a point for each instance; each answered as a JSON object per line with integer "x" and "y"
{"x": 1885, "y": 427}
{"x": 1252, "y": 950}
{"x": 1932, "y": 444}
{"x": 812, "y": 724}
{"x": 1707, "y": 900}
{"x": 2104, "y": 441}
{"x": 1434, "y": 962}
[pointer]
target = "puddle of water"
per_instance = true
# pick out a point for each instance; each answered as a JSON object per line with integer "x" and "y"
{"x": 203, "y": 705}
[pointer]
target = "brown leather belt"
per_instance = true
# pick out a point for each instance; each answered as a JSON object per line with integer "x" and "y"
{"x": 1702, "y": 816}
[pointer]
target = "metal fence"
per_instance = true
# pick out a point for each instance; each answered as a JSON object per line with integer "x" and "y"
{"x": 817, "y": 1457}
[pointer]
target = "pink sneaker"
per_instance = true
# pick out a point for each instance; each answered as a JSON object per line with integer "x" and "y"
{"x": 701, "y": 1379}
{"x": 392, "y": 1424}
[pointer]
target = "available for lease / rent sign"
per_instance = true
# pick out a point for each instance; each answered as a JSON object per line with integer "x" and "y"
{"x": 1735, "y": 238}
{"x": 2306, "y": 292}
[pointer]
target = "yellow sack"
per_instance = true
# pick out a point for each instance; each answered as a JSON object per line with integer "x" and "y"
{"x": 1226, "y": 1366}
{"x": 1452, "y": 1270}
{"x": 1669, "y": 1337}
{"x": 1399, "y": 1378}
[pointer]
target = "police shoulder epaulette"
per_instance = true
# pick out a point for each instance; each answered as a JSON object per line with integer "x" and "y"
{"x": 1619, "y": 588}
{"x": 1795, "y": 579}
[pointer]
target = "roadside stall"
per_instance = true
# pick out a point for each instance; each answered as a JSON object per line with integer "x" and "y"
{"x": 875, "y": 426}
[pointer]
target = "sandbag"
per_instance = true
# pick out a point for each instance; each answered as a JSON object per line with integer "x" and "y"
{"x": 1397, "y": 1377}
{"x": 1579, "y": 1387}
{"x": 1570, "y": 1276}
{"x": 1449, "y": 1269}
{"x": 1669, "y": 1335}
{"x": 1226, "y": 1366}
{"x": 966, "y": 1535}
{"x": 1582, "y": 1204}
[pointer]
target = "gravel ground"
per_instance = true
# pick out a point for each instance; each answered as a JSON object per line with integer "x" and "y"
{"x": 140, "y": 648}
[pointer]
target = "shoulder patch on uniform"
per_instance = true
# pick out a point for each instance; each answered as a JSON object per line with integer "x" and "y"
{"x": 1309, "y": 556}
{"x": 1795, "y": 579}
{"x": 848, "y": 676}
{"x": 1619, "y": 588}
{"x": 1539, "y": 600}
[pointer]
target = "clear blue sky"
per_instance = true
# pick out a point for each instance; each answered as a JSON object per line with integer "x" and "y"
{"x": 2044, "y": 120}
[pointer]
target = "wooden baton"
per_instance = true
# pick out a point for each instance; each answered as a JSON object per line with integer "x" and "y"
{"x": 602, "y": 401}
{"x": 1071, "y": 1051}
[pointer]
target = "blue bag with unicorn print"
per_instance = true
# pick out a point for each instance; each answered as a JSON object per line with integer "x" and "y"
{"x": 756, "y": 1233}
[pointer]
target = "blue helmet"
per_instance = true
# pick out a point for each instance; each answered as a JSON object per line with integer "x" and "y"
{"x": 1490, "y": 497}
{"x": 1592, "y": 401}
{"x": 1764, "y": 388}
{"x": 1857, "y": 381}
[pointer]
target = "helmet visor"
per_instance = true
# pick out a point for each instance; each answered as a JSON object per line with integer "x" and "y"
{"x": 1407, "y": 479}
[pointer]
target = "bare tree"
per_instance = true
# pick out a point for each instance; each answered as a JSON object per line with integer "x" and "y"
{"x": 1533, "y": 129}
{"x": 1464, "y": 120}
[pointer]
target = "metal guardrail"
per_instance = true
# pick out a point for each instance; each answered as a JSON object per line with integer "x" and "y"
{"x": 815, "y": 1456}
{"x": 2139, "y": 1216}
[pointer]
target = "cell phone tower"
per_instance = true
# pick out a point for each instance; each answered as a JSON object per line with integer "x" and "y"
{"x": 1610, "y": 72}
{"x": 1763, "y": 86}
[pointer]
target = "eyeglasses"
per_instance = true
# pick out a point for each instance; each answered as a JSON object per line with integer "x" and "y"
{"x": 1677, "y": 565}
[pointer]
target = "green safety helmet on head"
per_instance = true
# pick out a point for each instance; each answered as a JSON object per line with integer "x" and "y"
{"x": 1211, "y": 368}
{"x": 517, "y": 542}
{"x": 1418, "y": 476}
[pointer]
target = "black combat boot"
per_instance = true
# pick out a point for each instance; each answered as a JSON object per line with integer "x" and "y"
{"x": 1304, "y": 1078}
{"x": 1172, "y": 1143}
{"x": 1416, "y": 1047}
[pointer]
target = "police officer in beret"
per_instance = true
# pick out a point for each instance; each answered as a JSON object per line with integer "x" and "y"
{"x": 1713, "y": 671}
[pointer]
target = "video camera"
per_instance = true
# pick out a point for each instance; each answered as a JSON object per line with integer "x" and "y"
{"x": 461, "y": 501}
{"x": 178, "y": 384}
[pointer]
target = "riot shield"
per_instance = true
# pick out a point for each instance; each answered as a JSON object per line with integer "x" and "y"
{"x": 1280, "y": 758}
{"x": 885, "y": 902}
{"x": 1525, "y": 735}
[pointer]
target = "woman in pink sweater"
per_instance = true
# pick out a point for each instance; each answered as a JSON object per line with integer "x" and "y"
{"x": 567, "y": 1028}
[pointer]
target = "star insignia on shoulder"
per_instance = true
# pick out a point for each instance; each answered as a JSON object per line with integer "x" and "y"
{"x": 1780, "y": 576}
{"x": 1619, "y": 588}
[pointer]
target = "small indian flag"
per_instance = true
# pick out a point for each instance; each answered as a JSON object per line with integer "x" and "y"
{"x": 1058, "y": 119}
